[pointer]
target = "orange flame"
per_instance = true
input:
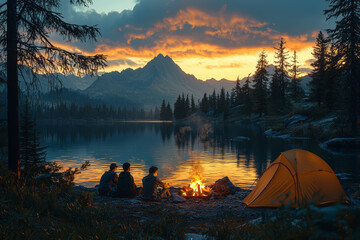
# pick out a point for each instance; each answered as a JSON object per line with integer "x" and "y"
{"x": 196, "y": 188}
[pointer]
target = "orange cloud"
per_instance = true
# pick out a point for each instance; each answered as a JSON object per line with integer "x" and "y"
{"x": 195, "y": 34}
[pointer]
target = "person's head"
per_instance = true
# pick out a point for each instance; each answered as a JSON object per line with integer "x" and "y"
{"x": 126, "y": 167}
{"x": 113, "y": 167}
{"x": 153, "y": 170}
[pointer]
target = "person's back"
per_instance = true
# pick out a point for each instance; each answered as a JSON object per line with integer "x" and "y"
{"x": 126, "y": 187}
{"x": 150, "y": 185}
{"x": 108, "y": 180}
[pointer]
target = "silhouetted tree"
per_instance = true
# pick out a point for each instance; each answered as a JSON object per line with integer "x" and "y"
{"x": 280, "y": 79}
{"x": 318, "y": 74}
{"x": 32, "y": 154}
{"x": 163, "y": 111}
{"x": 333, "y": 76}
{"x": 25, "y": 27}
{"x": 237, "y": 92}
{"x": 247, "y": 91}
{"x": 295, "y": 90}
{"x": 193, "y": 105}
{"x": 346, "y": 39}
{"x": 204, "y": 104}
{"x": 169, "y": 113}
{"x": 260, "y": 84}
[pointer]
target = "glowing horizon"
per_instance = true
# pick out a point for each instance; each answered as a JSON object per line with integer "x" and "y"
{"x": 207, "y": 39}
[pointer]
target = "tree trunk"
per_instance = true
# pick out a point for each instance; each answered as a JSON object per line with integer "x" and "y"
{"x": 353, "y": 79}
{"x": 13, "y": 92}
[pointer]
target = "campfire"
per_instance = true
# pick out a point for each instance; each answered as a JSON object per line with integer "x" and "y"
{"x": 196, "y": 189}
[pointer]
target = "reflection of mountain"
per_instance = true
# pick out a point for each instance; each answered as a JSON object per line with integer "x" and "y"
{"x": 174, "y": 148}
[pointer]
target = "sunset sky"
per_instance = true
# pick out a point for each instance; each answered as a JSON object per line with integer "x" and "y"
{"x": 207, "y": 38}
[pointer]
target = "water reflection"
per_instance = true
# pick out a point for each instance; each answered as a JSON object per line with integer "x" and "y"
{"x": 174, "y": 148}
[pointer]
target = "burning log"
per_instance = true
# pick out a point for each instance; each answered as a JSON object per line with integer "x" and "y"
{"x": 196, "y": 189}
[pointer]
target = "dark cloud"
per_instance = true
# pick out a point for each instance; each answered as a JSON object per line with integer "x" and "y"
{"x": 123, "y": 62}
{"x": 176, "y": 25}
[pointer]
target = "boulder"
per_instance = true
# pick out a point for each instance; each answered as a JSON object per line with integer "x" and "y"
{"x": 295, "y": 119}
{"x": 193, "y": 236}
{"x": 225, "y": 186}
{"x": 177, "y": 199}
{"x": 342, "y": 143}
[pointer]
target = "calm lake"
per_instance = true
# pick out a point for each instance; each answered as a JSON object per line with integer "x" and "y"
{"x": 177, "y": 150}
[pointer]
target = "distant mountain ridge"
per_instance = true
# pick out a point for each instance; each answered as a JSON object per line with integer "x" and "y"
{"x": 161, "y": 78}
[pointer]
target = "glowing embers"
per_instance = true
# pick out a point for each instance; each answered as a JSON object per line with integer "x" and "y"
{"x": 196, "y": 189}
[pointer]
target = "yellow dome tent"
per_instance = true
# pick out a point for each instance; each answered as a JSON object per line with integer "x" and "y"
{"x": 296, "y": 176}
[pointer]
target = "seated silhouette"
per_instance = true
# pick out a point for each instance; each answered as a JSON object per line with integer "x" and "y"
{"x": 108, "y": 181}
{"x": 150, "y": 185}
{"x": 126, "y": 187}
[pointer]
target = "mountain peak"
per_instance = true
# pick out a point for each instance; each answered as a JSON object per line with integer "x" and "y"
{"x": 162, "y": 58}
{"x": 161, "y": 61}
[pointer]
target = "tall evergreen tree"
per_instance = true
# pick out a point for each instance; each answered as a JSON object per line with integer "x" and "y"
{"x": 318, "y": 74}
{"x": 193, "y": 105}
{"x": 260, "y": 84}
{"x": 32, "y": 154}
{"x": 213, "y": 101}
{"x": 227, "y": 108}
{"x": 247, "y": 91}
{"x": 333, "y": 75}
{"x": 295, "y": 90}
{"x": 237, "y": 92}
{"x": 204, "y": 104}
{"x": 24, "y": 39}
{"x": 169, "y": 113}
{"x": 222, "y": 101}
{"x": 163, "y": 111}
{"x": 280, "y": 79}
{"x": 346, "y": 37}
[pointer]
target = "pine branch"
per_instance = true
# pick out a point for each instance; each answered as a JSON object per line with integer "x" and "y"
{"x": 3, "y": 5}
{"x": 52, "y": 21}
{"x": 53, "y": 58}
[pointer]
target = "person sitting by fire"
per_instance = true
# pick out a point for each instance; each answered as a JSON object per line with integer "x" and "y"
{"x": 108, "y": 181}
{"x": 150, "y": 185}
{"x": 126, "y": 187}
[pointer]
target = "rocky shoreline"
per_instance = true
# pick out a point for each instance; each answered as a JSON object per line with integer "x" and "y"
{"x": 200, "y": 213}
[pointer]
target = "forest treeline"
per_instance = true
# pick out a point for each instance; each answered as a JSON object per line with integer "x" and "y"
{"x": 334, "y": 85}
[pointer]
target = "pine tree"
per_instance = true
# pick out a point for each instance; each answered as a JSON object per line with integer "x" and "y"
{"x": 346, "y": 38}
{"x": 25, "y": 29}
{"x": 213, "y": 101}
{"x": 333, "y": 75}
{"x": 169, "y": 113}
{"x": 222, "y": 101}
{"x": 260, "y": 84}
{"x": 204, "y": 104}
{"x": 227, "y": 108}
{"x": 280, "y": 79}
{"x": 163, "y": 111}
{"x": 247, "y": 91}
{"x": 178, "y": 108}
{"x": 193, "y": 105}
{"x": 237, "y": 92}
{"x": 32, "y": 154}
{"x": 295, "y": 90}
{"x": 318, "y": 74}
